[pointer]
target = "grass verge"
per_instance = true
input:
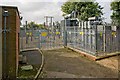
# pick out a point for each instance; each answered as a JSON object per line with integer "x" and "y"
{"x": 27, "y": 74}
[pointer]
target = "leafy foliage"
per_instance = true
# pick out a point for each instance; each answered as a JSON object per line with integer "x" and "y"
{"x": 84, "y": 9}
{"x": 115, "y": 6}
{"x": 35, "y": 25}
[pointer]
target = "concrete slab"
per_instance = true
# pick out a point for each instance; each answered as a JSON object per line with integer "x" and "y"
{"x": 27, "y": 67}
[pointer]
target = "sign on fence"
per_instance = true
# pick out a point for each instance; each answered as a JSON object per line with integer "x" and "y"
{"x": 93, "y": 39}
{"x": 44, "y": 34}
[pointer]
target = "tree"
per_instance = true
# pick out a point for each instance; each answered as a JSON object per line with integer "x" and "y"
{"x": 35, "y": 25}
{"x": 84, "y": 9}
{"x": 115, "y": 6}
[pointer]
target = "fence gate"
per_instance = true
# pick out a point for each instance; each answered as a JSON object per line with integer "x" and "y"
{"x": 42, "y": 39}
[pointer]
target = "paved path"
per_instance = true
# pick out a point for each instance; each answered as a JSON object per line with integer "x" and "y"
{"x": 63, "y": 63}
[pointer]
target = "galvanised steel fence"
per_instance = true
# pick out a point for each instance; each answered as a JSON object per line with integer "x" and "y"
{"x": 42, "y": 39}
{"x": 94, "y": 39}
{"x": 98, "y": 40}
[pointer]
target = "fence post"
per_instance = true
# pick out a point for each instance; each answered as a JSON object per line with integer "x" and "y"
{"x": 65, "y": 33}
{"x": 118, "y": 36}
{"x": 96, "y": 39}
{"x": 39, "y": 40}
{"x": 26, "y": 32}
{"x": 31, "y": 34}
{"x": 74, "y": 37}
{"x": 82, "y": 35}
{"x": 104, "y": 39}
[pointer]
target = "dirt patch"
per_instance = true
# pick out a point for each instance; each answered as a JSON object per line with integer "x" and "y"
{"x": 111, "y": 62}
{"x": 66, "y": 62}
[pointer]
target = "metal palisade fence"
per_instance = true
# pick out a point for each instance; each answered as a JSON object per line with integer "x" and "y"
{"x": 94, "y": 39}
{"x": 88, "y": 36}
{"x": 42, "y": 39}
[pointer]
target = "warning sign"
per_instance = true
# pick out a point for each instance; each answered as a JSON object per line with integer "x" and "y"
{"x": 44, "y": 34}
{"x": 101, "y": 34}
{"x": 57, "y": 32}
{"x": 30, "y": 34}
{"x": 27, "y": 33}
{"x": 114, "y": 34}
{"x": 81, "y": 33}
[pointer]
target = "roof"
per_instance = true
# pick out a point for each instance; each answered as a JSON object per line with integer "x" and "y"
{"x": 14, "y": 7}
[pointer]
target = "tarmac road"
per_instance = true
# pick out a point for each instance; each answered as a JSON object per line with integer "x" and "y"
{"x": 64, "y": 63}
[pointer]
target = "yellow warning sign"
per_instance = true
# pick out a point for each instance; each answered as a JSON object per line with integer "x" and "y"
{"x": 81, "y": 33}
{"x": 44, "y": 34}
{"x": 113, "y": 33}
{"x": 30, "y": 34}
{"x": 101, "y": 34}
{"x": 57, "y": 32}
{"x": 27, "y": 33}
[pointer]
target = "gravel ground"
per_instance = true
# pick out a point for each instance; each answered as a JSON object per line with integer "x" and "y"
{"x": 64, "y": 63}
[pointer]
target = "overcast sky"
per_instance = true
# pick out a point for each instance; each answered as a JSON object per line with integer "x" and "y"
{"x": 35, "y": 11}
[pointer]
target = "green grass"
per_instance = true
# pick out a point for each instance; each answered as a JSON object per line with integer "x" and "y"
{"x": 29, "y": 73}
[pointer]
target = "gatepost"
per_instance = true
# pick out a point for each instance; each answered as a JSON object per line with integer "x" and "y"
{"x": 65, "y": 33}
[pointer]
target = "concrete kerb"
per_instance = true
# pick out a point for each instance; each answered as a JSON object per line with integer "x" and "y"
{"x": 41, "y": 67}
{"x": 89, "y": 56}
{"x": 108, "y": 55}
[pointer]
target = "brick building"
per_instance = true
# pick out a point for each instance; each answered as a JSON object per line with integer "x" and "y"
{"x": 9, "y": 47}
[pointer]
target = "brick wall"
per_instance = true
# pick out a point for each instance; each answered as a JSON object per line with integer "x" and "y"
{"x": 17, "y": 37}
{"x": 12, "y": 41}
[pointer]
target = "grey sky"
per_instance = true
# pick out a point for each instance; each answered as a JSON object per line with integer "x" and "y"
{"x": 35, "y": 11}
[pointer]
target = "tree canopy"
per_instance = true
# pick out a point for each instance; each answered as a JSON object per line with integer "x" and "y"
{"x": 115, "y": 6}
{"x": 84, "y": 9}
{"x": 35, "y": 25}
